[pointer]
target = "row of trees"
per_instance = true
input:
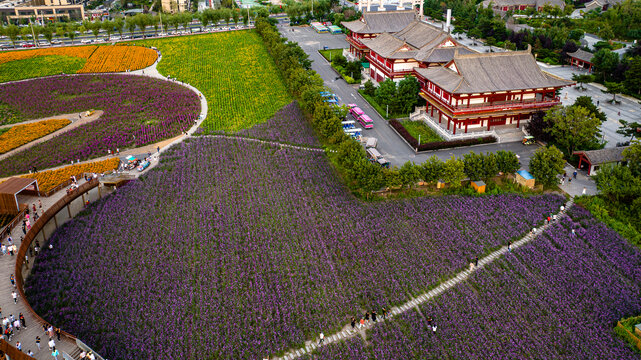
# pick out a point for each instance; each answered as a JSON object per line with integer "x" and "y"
{"x": 399, "y": 99}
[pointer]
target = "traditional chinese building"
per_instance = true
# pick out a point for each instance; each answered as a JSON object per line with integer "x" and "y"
{"x": 512, "y": 5}
{"x": 372, "y": 24}
{"x": 581, "y": 59}
{"x": 394, "y": 56}
{"x": 480, "y": 91}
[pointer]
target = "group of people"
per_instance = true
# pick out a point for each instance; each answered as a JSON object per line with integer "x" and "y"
{"x": 11, "y": 324}
{"x": 10, "y": 248}
{"x": 365, "y": 319}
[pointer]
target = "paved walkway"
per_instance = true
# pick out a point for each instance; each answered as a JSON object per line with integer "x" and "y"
{"x": 76, "y": 120}
{"x": 270, "y": 142}
{"x": 347, "y": 331}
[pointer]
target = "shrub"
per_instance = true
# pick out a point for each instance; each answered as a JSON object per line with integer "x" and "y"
{"x": 398, "y": 126}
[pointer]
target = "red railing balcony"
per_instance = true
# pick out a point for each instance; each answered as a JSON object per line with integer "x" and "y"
{"x": 356, "y": 43}
{"x": 493, "y": 105}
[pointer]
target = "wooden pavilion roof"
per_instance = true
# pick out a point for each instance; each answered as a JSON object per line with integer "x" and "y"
{"x": 582, "y": 55}
{"x": 603, "y": 156}
{"x": 377, "y": 22}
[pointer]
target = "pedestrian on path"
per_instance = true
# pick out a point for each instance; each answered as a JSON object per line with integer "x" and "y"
{"x": 574, "y": 174}
{"x": 40, "y": 204}
{"x": 34, "y": 207}
{"x": 55, "y": 354}
{"x": 322, "y": 338}
{"x": 158, "y": 148}
{"x": 384, "y": 313}
{"x": 23, "y": 321}
{"x": 52, "y": 344}
{"x": 434, "y": 329}
{"x": 476, "y": 261}
{"x": 58, "y": 333}
{"x": 509, "y": 246}
{"x": 573, "y": 232}
{"x": 13, "y": 280}
{"x": 14, "y": 295}
{"x": 30, "y": 353}
{"x": 19, "y": 346}
{"x": 3, "y": 248}
{"x": 38, "y": 342}
{"x": 367, "y": 317}
{"x": 16, "y": 324}
{"x": 584, "y": 191}
{"x": 353, "y": 323}
{"x": 361, "y": 323}
{"x": 373, "y": 315}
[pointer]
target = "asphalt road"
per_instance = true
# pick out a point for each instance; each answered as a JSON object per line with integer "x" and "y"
{"x": 390, "y": 145}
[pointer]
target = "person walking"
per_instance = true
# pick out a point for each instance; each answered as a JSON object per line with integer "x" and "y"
{"x": 55, "y": 354}
{"x": 13, "y": 280}
{"x": 434, "y": 329}
{"x": 361, "y": 323}
{"x": 38, "y": 342}
{"x": 322, "y": 338}
{"x": 40, "y": 204}
{"x": 19, "y": 346}
{"x": 30, "y": 353}
{"x": 23, "y": 321}
{"x": 373, "y": 315}
{"x": 509, "y": 246}
{"x": 476, "y": 261}
{"x": 584, "y": 191}
{"x": 367, "y": 317}
{"x": 58, "y": 333}
{"x": 52, "y": 344}
{"x": 14, "y": 295}
{"x": 16, "y": 324}
{"x": 574, "y": 174}
{"x": 384, "y": 313}
{"x": 353, "y": 323}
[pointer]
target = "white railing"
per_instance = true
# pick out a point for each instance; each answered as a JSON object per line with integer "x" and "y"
{"x": 449, "y": 136}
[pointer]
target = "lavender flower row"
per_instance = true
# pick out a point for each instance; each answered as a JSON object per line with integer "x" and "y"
{"x": 233, "y": 249}
{"x": 137, "y": 111}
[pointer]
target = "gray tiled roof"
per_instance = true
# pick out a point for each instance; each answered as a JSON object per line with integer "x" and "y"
{"x": 582, "y": 55}
{"x": 603, "y": 156}
{"x": 478, "y": 73}
{"x": 442, "y": 54}
{"x": 376, "y": 22}
{"x": 518, "y": 3}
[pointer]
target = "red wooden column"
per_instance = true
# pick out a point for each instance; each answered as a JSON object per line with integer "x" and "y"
{"x": 488, "y": 123}
{"x": 454, "y": 127}
{"x": 518, "y": 120}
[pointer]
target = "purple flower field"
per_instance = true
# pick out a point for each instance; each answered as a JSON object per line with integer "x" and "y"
{"x": 558, "y": 297}
{"x": 137, "y": 111}
{"x": 235, "y": 250}
{"x": 288, "y": 125}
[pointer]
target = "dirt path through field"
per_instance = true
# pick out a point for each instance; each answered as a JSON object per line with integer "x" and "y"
{"x": 77, "y": 119}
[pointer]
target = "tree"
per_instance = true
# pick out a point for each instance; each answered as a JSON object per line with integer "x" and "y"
{"x": 407, "y": 94}
{"x": 453, "y": 172}
{"x": 48, "y": 33}
{"x": 130, "y": 23}
{"x": 546, "y": 164}
{"x": 573, "y": 127}
{"x": 409, "y": 174}
{"x": 386, "y": 93}
{"x": 631, "y": 129}
{"x": 119, "y": 25}
{"x": 605, "y": 61}
{"x": 12, "y": 32}
{"x": 633, "y": 76}
{"x": 95, "y": 28}
{"x": 108, "y": 27}
{"x": 618, "y": 183}
{"x": 582, "y": 79}
{"x": 490, "y": 166}
{"x": 25, "y": 32}
{"x": 432, "y": 169}
{"x": 633, "y": 156}
{"x": 71, "y": 31}
{"x": 537, "y": 127}
{"x": 586, "y": 102}
{"x": 473, "y": 166}
{"x": 507, "y": 162}
{"x": 235, "y": 16}
{"x": 369, "y": 88}
{"x": 613, "y": 88}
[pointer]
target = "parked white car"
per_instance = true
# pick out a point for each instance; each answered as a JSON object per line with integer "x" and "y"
{"x": 86, "y": 41}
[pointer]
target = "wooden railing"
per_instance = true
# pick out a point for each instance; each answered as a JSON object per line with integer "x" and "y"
{"x": 36, "y": 228}
{"x": 635, "y": 340}
{"x": 7, "y": 349}
{"x": 16, "y": 220}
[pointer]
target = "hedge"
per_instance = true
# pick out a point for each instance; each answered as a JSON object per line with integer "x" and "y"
{"x": 398, "y": 126}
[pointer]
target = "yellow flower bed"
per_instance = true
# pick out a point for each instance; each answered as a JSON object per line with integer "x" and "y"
{"x": 75, "y": 51}
{"x": 119, "y": 58}
{"x": 19, "y": 135}
{"x": 48, "y": 180}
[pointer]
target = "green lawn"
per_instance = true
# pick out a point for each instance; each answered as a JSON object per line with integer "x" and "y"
{"x": 333, "y": 52}
{"x": 234, "y": 72}
{"x": 416, "y": 128}
{"x": 40, "y": 66}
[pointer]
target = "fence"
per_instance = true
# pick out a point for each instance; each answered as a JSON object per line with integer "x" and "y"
{"x": 11, "y": 352}
{"x": 16, "y": 220}
{"x": 39, "y": 227}
{"x": 633, "y": 338}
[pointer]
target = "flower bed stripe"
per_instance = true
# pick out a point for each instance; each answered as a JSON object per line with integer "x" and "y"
{"x": 19, "y": 135}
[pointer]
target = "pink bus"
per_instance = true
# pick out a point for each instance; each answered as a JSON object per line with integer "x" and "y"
{"x": 366, "y": 121}
{"x": 356, "y": 112}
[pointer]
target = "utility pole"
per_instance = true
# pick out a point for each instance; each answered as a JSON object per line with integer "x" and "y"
{"x": 35, "y": 41}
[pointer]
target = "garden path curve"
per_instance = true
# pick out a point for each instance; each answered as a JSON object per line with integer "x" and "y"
{"x": 76, "y": 120}
{"x": 347, "y": 332}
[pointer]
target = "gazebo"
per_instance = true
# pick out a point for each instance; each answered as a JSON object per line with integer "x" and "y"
{"x": 9, "y": 193}
{"x": 581, "y": 59}
{"x": 596, "y": 158}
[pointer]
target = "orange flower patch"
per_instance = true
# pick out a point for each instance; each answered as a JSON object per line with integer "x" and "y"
{"x": 119, "y": 58}
{"x": 74, "y": 51}
{"x": 48, "y": 180}
{"x": 19, "y": 135}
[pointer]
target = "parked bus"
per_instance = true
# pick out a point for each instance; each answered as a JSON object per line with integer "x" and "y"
{"x": 366, "y": 121}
